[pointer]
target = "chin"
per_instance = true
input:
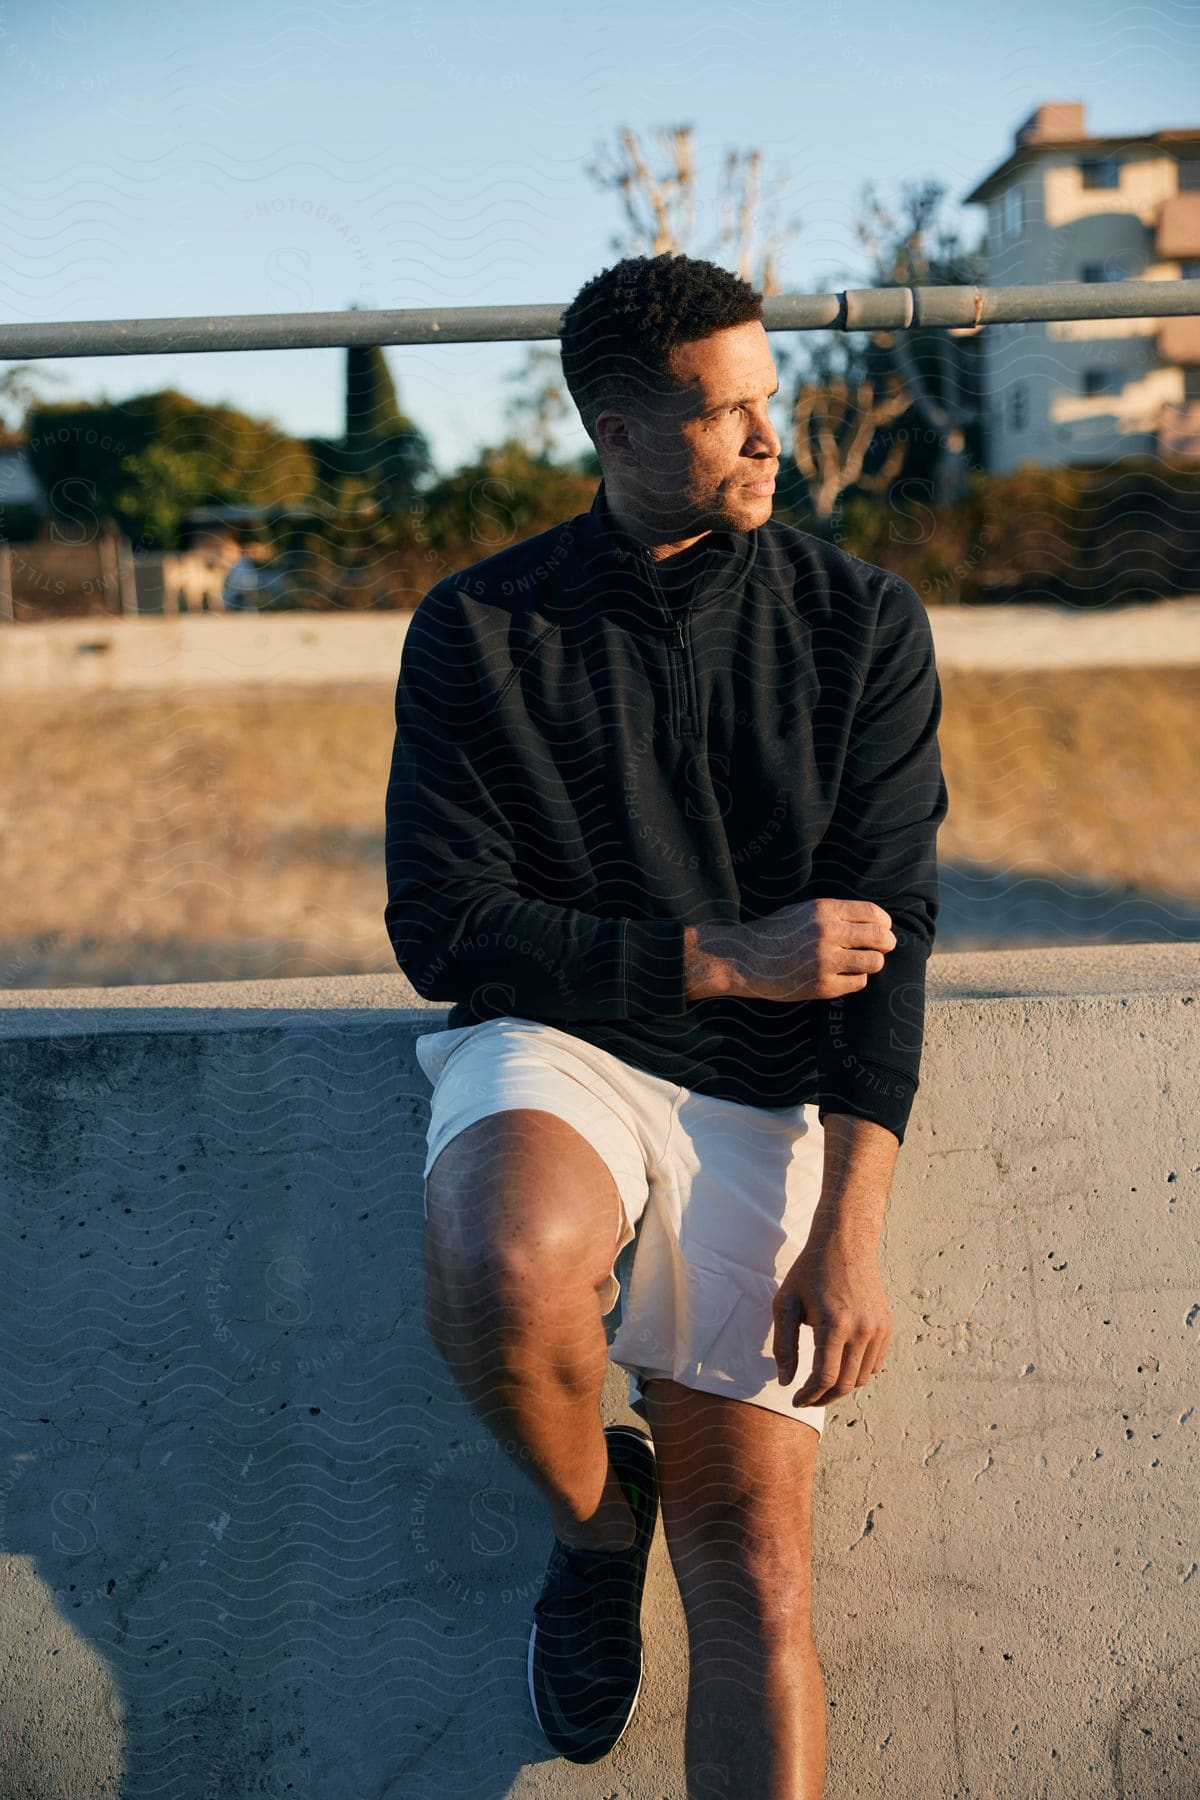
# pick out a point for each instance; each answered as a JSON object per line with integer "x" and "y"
{"x": 745, "y": 511}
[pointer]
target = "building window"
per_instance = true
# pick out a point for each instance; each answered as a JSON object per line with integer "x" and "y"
{"x": 1018, "y": 406}
{"x": 1101, "y": 381}
{"x": 1101, "y": 172}
{"x": 1189, "y": 269}
{"x": 1191, "y": 383}
{"x": 1189, "y": 173}
{"x": 1012, "y": 214}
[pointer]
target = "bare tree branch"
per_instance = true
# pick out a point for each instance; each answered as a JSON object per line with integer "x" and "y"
{"x": 909, "y": 245}
{"x": 660, "y": 209}
{"x": 833, "y": 432}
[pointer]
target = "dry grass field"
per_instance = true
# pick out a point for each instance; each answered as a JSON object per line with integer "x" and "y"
{"x": 201, "y": 836}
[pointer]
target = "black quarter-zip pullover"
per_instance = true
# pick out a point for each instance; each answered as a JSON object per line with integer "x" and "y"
{"x": 593, "y": 751}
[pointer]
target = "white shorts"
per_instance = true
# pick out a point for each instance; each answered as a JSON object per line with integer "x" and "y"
{"x": 717, "y": 1200}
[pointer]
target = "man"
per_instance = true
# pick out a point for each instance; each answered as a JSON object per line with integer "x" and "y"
{"x": 661, "y": 822}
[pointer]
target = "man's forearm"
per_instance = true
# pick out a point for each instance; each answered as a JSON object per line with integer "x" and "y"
{"x": 860, "y": 1157}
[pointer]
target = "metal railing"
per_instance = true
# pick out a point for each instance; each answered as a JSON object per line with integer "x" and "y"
{"x": 852, "y": 309}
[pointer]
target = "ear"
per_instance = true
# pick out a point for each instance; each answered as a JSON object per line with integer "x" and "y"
{"x": 613, "y": 438}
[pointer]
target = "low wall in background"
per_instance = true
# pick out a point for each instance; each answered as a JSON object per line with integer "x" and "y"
{"x": 224, "y": 649}
{"x": 253, "y": 1539}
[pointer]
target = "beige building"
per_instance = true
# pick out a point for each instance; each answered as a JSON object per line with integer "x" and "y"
{"x": 1064, "y": 206}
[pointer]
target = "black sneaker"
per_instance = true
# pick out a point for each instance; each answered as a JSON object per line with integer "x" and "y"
{"x": 585, "y": 1645}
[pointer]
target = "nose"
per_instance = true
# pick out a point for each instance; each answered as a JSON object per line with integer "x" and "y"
{"x": 765, "y": 434}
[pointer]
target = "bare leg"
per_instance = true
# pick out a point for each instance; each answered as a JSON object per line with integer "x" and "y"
{"x": 736, "y": 1482}
{"x": 759, "y": 1730}
{"x": 520, "y": 1238}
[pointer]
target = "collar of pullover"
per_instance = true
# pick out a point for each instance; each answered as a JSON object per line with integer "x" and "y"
{"x": 623, "y": 575}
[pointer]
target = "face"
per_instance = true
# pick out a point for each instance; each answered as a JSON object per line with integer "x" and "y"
{"x": 705, "y": 460}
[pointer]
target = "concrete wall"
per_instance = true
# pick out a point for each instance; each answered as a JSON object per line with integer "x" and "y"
{"x": 234, "y": 650}
{"x": 255, "y": 1542}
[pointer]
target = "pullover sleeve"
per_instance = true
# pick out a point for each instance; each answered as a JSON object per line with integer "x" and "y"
{"x": 881, "y": 846}
{"x": 459, "y": 926}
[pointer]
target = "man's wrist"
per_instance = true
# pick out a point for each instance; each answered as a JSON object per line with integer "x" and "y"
{"x": 706, "y": 974}
{"x": 859, "y": 1162}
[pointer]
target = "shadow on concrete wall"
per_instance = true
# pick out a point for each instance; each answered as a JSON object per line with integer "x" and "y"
{"x": 984, "y": 908}
{"x": 243, "y": 1497}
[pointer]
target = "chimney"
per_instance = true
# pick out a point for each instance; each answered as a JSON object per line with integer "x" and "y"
{"x": 1055, "y": 122}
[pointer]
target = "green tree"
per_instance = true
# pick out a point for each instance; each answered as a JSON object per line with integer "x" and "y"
{"x": 380, "y": 440}
{"x": 381, "y": 451}
{"x": 371, "y": 405}
{"x": 541, "y": 401}
{"x": 160, "y": 486}
{"x": 147, "y": 459}
{"x": 504, "y": 496}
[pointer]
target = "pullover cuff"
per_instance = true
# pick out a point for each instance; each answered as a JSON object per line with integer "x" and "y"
{"x": 653, "y": 968}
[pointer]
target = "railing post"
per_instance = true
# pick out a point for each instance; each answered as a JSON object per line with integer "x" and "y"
{"x": 126, "y": 577}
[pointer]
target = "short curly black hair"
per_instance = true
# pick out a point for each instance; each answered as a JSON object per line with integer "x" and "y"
{"x": 617, "y": 335}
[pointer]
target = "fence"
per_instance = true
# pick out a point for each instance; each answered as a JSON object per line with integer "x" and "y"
{"x": 960, "y": 310}
{"x": 850, "y": 309}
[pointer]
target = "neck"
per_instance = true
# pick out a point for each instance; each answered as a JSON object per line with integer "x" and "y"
{"x": 635, "y": 526}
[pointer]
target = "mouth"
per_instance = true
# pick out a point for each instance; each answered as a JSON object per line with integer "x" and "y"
{"x": 766, "y": 486}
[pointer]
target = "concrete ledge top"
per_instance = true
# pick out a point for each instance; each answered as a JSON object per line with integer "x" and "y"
{"x": 1090, "y": 972}
{"x": 244, "y": 651}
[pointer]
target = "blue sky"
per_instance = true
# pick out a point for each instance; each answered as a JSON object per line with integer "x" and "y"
{"x": 215, "y": 158}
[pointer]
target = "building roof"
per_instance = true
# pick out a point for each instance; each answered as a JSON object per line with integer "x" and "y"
{"x": 1059, "y": 125}
{"x": 225, "y": 513}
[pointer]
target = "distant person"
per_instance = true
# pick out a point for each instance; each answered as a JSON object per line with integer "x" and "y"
{"x": 241, "y": 590}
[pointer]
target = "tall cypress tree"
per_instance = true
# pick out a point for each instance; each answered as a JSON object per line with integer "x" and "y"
{"x": 380, "y": 442}
{"x": 372, "y": 410}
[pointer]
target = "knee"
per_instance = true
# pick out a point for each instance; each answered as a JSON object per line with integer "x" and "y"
{"x": 509, "y": 1316}
{"x": 732, "y": 1574}
{"x": 517, "y": 1296}
{"x": 538, "y": 1257}
{"x": 768, "y": 1612}
{"x": 520, "y": 1198}
{"x": 497, "y": 1247}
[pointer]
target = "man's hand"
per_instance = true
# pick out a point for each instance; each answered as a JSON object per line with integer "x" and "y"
{"x": 835, "y": 1287}
{"x": 814, "y": 950}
